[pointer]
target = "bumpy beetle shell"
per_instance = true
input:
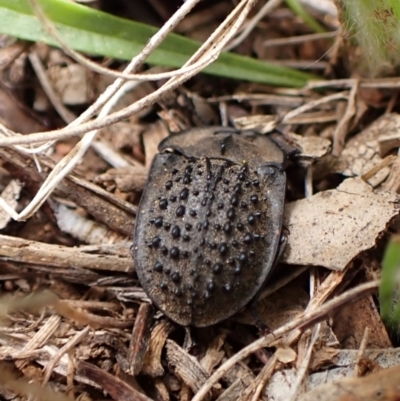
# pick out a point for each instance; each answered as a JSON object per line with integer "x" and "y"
{"x": 209, "y": 223}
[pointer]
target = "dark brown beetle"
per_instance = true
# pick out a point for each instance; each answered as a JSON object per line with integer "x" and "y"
{"x": 209, "y": 223}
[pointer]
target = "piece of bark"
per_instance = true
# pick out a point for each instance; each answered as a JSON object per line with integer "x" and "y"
{"x": 32, "y": 252}
{"x": 186, "y": 366}
{"x": 127, "y": 179}
{"x": 152, "y": 362}
{"x": 115, "y": 387}
{"x": 140, "y": 339}
{"x": 105, "y": 207}
{"x": 214, "y": 354}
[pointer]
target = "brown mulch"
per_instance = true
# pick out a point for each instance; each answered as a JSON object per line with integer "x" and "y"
{"x": 76, "y": 323}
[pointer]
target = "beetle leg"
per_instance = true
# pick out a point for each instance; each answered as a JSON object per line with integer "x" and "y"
{"x": 287, "y": 146}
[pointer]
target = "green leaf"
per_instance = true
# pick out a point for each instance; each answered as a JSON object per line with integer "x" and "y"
{"x": 390, "y": 284}
{"x": 98, "y": 33}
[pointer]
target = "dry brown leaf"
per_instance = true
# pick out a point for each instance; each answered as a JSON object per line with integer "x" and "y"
{"x": 330, "y": 365}
{"x": 383, "y": 385}
{"x": 350, "y": 331}
{"x": 333, "y": 227}
{"x": 312, "y": 147}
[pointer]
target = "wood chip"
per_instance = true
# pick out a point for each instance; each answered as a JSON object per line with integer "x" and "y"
{"x": 114, "y": 386}
{"x": 214, "y": 354}
{"x": 140, "y": 338}
{"x": 186, "y": 366}
{"x": 152, "y": 362}
{"x": 32, "y": 252}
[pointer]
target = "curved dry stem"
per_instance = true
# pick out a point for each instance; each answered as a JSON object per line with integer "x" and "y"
{"x": 247, "y": 29}
{"x": 79, "y": 58}
{"x": 207, "y": 53}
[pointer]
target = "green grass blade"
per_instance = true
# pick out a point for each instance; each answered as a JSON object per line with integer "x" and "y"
{"x": 98, "y": 33}
{"x": 298, "y": 9}
{"x": 390, "y": 284}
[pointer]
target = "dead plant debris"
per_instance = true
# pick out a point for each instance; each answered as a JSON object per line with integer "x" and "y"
{"x": 75, "y": 321}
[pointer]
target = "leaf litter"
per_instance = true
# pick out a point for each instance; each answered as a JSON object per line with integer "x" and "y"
{"x": 333, "y": 227}
{"x": 95, "y": 332}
